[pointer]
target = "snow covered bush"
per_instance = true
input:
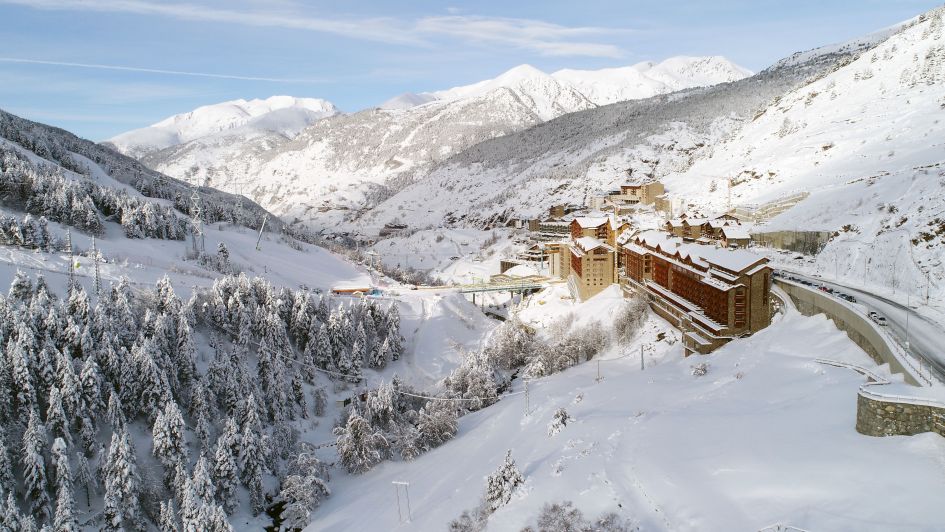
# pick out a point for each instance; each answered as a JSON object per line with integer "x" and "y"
{"x": 700, "y": 369}
{"x": 360, "y": 446}
{"x": 629, "y": 318}
{"x": 303, "y": 490}
{"x": 559, "y": 421}
{"x": 564, "y": 517}
{"x": 501, "y": 485}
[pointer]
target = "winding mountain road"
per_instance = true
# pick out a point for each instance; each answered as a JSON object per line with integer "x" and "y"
{"x": 921, "y": 336}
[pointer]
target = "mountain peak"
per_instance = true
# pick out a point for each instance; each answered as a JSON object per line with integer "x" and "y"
{"x": 280, "y": 113}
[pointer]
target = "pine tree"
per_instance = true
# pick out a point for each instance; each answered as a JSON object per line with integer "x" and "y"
{"x": 150, "y": 380}
{"x": 359, "y": 446}
{"x": 168, "y": 521}
{"x": 56, "y": 420}
{"x": 10, "y": 517}
{"x": 114, "y": 413}
{"x": 252, "y": 466}
{"x": 168, "y": 440}
{"x": 34, "y": 467}
{"x": 224, "y": 469}
{"x": 437, "y": 423}
{"x": 186, "y": 351}
{"x": 84, "y": 479}
{"x": 382, "y": 354}
{"x": 22, "y": 380}
{"x": 69, "y": 385}
{"x": 393, "y": 332}
{"x": 65, "y": 519}
{"x": 501, "y": 485}
{"x": 21, "y": 289}
{"x": 202, "y": 482}
{"x": 357, "y": 360}
{"x": 6, "y": 464}
{"x": 90, "y": 379}
{"x": 318, "y": 351}
{"x": 121, "y": 483}
{"x": 252, "y": 454}
{"x": 371, "y": 343}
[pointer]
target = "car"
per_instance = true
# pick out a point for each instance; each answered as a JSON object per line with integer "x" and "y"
{"x": 879, "y": 320}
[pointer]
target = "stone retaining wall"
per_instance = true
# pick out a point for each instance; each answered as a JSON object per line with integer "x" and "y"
{"x": 886, "y": 418}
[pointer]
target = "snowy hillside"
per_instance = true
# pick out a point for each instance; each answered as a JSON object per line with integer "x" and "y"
{"x": 766, "y": 436}
{"x": 134, "y": 394}
{"x": 283, "y": 115}
{"x": 564, "y": 160}
{"x": 866, "y": 142}
{"x": 343, "y": 164}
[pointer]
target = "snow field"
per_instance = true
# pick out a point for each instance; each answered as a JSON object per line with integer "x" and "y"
{"x": 766, "y": 436}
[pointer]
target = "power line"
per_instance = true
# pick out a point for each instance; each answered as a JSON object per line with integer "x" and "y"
{"x": 346, "y": 376}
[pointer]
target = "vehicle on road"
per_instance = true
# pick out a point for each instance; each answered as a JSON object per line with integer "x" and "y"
{"x": 879, "y": 320}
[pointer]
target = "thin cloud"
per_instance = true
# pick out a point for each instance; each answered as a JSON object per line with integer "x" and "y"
{"x": 158, "y": 71}
{"x": 374, "y": 29}
{"x": 537, "y": 36}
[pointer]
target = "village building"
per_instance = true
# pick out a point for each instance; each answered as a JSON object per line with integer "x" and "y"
{"x": 735, "y": 236}
{"x": 687, "y": 227}
{"x": 711, "y": 294}
{"x": 645, "y": 193}
{"x": 591, "y": 266}
{"x": 627, "y": 197}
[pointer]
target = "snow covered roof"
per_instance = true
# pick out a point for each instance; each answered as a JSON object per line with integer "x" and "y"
{"x": 586, "y": 222}
{"x": 735, "y": 260}
{"x": 719, "y": 223}
{"x": 736, "y": 232}
{"x": 588, "y": 243}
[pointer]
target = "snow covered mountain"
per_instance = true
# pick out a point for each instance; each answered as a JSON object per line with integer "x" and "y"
{"x": 283, "y": 115}
{"x": 343, "y": 164}
{"x": 856, "y": 125}
{"x": 611, "y": 85}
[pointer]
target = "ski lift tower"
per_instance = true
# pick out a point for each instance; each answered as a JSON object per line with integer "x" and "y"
{"x": 196, "y": 222}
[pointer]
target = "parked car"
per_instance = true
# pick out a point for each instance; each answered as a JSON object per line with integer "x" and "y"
{"x": 877, "y": 318}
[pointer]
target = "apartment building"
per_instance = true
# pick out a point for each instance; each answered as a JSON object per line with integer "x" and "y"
{"x": 711, "y": 294}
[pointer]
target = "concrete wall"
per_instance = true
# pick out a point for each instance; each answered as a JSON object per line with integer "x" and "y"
{"x": 807, "y": 242}
{"x": 858, "y": 327}
{"x": 878, "y": 417}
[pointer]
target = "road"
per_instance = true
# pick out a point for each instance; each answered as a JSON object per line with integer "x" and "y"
{"x": 925, "y": 338}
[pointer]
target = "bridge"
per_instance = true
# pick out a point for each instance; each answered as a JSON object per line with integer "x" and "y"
{"x": 521, "y": 286}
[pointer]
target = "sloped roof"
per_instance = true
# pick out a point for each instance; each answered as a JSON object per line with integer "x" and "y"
{"x": 734, "y": 231}
{"x": 588, "y": 243}
{"x": 586, "y": 222}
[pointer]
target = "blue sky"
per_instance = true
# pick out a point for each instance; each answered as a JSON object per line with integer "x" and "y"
{"x": 175, "y": 55}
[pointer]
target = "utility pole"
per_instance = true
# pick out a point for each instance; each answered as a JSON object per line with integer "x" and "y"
{"x": 908, "y": 311}
{"x": 261, "y": 229}
{"x": 71, "y": 259}
{"x": 641, "y": 358}
{"x": 599, "y": 378}
{"x": 98, "y": 278}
